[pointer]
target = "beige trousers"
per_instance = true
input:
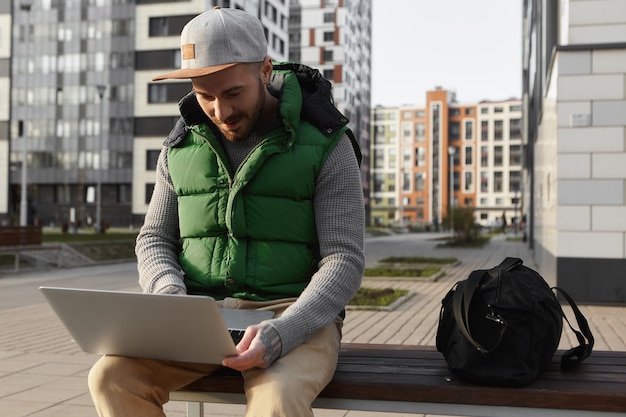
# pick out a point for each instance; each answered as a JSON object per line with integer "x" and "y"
{"x": 122, "y": 387}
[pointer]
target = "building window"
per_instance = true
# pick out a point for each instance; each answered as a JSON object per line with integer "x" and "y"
{"x": 498, "y": 109}
{"x": 124, "y": 193}
{"x": 420, "y": 181}
{"x": 498, "y": 129}
{"x": 515, "y": 129}
{"x": 328, "y": 55}
{"x": 469, "y": 155}
{"x": 420, "y": 132}
{"x": 484, "y": 110}
{"x": 406, "y": 181}
{"x": 154, "y": 126}
{"x": 468, "y": 181}
{"x": 329, "y": 17}
{"x": 484, "y": 131}
{"x": 148, "y": 192}
{"x": 406, "y": 132}
{"x": 329, "y": 74}
{"x": 379, "y": 182}
{"x": 329, "y": 36}
{"x": 484, "y": 182}
{"x": 484, "y": 156}
{"x": 168, "y": 25}
{"x": 167, "y": 92}
{"x": 270, "y": 12}
{"x": 406, "y": 158}
{"x": 469, "y": 130}
{"x": 515, "y": 181}
{"x": 515, "y": 155}
{"x": 497, "y": 182}
{"x": 161, "y": 59}
{"x": 152, "y": 156}
{"x": 497, "y": 156}
{"x": 379, "y": 158}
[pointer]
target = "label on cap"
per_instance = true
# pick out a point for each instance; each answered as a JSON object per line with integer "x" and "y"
{"x": 188, "y": 51}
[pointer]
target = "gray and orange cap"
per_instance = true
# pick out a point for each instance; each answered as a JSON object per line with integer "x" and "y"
{"x": 218, "y": 39}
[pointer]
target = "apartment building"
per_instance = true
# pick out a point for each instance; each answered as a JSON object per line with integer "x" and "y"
{"x": 334, "y": 36}
{"x": 426, "y": 160}
{"x": 575, "y": 106}
{"x": 5, "y": 103}
{"x": 71, "y": 126}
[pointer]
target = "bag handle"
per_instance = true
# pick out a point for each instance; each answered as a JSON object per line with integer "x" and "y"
{"x": 574, "y": 356}
{"x": 463, "y": 297}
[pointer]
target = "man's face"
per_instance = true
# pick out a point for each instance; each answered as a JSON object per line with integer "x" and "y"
{"x": 234, "y": 98}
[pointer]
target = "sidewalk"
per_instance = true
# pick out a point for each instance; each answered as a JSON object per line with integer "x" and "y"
{"x": 44, "y": 374}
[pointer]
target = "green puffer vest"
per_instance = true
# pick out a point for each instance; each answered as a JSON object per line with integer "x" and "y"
{"x": 250, "y": 234}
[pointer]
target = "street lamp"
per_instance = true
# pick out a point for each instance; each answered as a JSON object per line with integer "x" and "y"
{"x": 101, "y": 89}
{"x": 25, "y": 5}
{"x": 451, "y": 152}
{"x": 515, "y": 219}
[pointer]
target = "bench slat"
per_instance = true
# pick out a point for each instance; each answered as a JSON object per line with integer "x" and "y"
{"x": 420, "y": 374}
{"x": 20, "y": 235}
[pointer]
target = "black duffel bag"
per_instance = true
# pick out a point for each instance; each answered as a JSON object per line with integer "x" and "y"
{"x": 502, "y": 326}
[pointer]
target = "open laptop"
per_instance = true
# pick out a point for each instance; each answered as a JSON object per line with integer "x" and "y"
{"x": 183, "y": 328}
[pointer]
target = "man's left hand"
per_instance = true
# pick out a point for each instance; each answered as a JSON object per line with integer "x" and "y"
{"x": 258, "y": 348}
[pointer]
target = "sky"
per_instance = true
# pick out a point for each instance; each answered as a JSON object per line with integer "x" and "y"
{"x": 472, "y": 47}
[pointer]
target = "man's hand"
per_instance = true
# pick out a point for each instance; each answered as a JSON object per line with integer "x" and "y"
{"x": 258, "y": 348}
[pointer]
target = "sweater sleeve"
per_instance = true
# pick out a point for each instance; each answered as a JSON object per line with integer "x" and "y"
{"x": 340, "y": 222}
{"x": 158, "y": 244}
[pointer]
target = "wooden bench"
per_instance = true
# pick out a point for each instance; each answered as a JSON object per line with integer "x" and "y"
{"x": 15, "y": 239}
{"x": 410, "y": 379}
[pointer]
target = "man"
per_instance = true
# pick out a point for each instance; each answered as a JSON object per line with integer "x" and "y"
{"x": 256, "y": 206}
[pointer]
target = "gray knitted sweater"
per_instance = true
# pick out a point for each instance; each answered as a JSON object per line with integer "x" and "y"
{"x": 340, "y": 222}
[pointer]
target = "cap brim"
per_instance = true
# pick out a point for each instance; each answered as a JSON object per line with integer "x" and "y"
{"x": 193, "y": 72}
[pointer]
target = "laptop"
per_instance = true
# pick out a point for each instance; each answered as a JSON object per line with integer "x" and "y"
{"x": 186, "y": 328}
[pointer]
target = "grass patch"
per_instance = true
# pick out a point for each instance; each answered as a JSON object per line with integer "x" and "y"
{"x": 378, "y": 297}
{"x": 54, "y": 237}
{"x": 417, "y": 260}
{"x": 400, "y": 272}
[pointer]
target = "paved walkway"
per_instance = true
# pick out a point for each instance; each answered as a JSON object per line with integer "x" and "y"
{"x": 44, "y": 374}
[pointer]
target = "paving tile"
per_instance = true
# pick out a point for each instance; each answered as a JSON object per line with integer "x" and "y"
{"x": 14, "y": 408}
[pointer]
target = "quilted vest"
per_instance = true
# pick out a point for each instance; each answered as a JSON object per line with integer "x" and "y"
{"x": 250, "y": 233}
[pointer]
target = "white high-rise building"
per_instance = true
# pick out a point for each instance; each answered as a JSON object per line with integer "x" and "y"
{"x": 575, "y": 124}
{"x": 334, "y": 36}
{"x": 5, "y": 101}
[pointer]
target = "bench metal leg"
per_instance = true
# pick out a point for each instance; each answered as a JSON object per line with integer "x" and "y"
{"x": 195, "y": 409}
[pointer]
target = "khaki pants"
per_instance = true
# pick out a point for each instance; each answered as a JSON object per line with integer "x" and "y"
{"x": 122, "y": 387}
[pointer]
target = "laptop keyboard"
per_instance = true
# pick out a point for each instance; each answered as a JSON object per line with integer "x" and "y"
{"x": 236, "y": 334}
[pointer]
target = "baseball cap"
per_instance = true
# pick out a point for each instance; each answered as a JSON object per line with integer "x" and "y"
{"x": 218, "y": 39}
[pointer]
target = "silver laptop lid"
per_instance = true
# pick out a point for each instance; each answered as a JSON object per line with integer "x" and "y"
{"x": 173, "y": 327}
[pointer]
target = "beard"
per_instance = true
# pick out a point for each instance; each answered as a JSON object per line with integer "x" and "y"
{"x": 247, "y": 121}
